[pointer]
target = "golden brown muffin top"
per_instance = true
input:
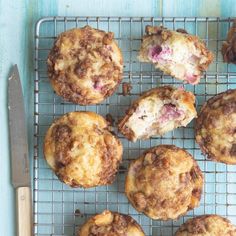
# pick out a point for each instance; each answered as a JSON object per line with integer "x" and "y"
{"x": 85, "y": 65}
{"x": 207, "y": 225}
{"x": 158, "y": 111}
{"x": 164, "y": 183}
{"x": 81, "y": 150}
{"x": 111, "y": 224}
{"x": 216, "y": 127}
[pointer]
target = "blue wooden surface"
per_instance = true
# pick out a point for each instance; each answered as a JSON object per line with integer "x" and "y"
{"x": 17, "y": 20}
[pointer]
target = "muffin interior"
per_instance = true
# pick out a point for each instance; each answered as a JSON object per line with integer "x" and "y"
{"x": 158, "y": 111}
{"x": 179, "y": 54}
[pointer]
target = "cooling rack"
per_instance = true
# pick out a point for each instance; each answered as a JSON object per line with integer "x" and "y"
{"x": 59, "y": 209}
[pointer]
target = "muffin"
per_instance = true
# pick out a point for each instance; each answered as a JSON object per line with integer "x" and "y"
{"x": 81, "y": 150}
{"x": 158, "y": 111}
{"x": 207, "y": 225}
{"x": 164, "y": 183}
{"x": 216, "y": 127}
{"x": 178, "y": 54}
{"x": 85, "y": 65}
{"x": 111, "y": 224}
{"x": 229, "y": 46}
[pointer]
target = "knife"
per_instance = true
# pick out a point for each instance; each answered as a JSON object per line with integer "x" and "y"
{"x": 19, "y": 154}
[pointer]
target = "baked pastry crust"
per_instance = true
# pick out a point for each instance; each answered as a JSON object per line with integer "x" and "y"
{"x": 81, "y": 150}
{"x": 85, "y": 65}
{"x": 229, "y": 46}
{"x": 216, "y": 128}
{"x": 176, "y": 53}
{"x": 111, "y": 224}
{"x": 164, "y": 183}
{"x": 158, "y": 111}
{"x": 207, "y": 225}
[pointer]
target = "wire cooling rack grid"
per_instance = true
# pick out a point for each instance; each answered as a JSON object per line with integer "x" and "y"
{"x": 59, "y": 209}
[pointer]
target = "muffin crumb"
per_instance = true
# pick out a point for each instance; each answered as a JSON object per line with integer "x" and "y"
{"x": 126, "y": 88}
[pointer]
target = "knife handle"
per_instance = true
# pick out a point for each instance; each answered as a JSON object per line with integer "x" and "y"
{"x": 24, "y": 211}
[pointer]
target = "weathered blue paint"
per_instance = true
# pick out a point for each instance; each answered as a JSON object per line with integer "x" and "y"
{"x": 17, "y": 20}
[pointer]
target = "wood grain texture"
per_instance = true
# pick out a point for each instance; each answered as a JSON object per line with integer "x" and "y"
{"x": 24, "y": 211}
{"x": 191, "y": 8}
{"x": 228, "y": 8}
{"x": 196, "y": 8}
{"x": 17, "y": 20}
{"x": 11, "y": 53}
{"x": 109, "y": 8}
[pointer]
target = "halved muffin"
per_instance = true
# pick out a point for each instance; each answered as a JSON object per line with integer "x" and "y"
{"x": 216, "y": 127}
{"x": 111, "y": 224}
{"x": 82, "y": 151}
{"x": 207, "y": 225}
{"x": 158, "y": 111}
{"x": 85, "y": 65}
{"x": 164, "y": 183}
{"x": 178, "y": 54}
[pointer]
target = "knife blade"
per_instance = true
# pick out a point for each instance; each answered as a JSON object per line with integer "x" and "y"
{"x": 18, "y": 133}
{"x": 19, "y": 154}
